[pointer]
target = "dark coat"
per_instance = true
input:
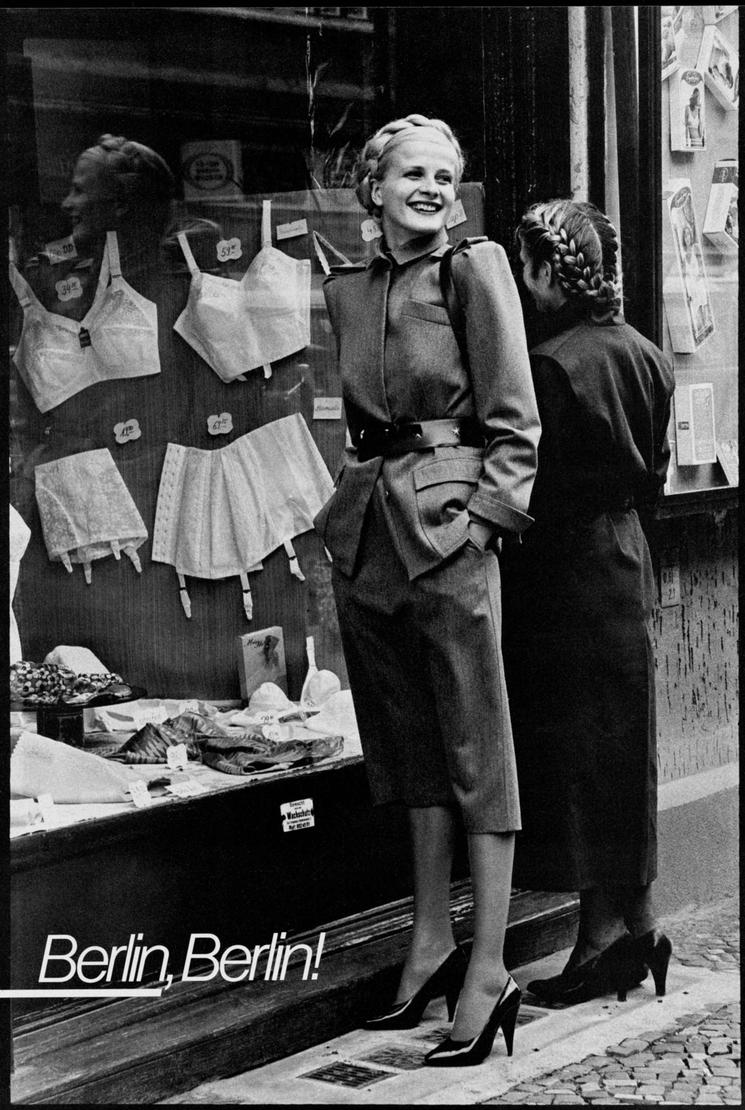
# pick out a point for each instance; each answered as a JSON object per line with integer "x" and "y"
{"x": 577, "y": 596}
{"x": 400, "y": 361}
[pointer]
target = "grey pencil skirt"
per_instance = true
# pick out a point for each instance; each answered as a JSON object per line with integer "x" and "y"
{"x": 425, "y": 667}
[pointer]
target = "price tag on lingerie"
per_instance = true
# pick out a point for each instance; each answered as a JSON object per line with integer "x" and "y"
{"x": 229, "y": 248}
{"x": 69, "y": 289}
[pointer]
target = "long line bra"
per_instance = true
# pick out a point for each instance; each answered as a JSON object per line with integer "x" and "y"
{"x": 238, "y": 326}
{"x": 117, "y": 338}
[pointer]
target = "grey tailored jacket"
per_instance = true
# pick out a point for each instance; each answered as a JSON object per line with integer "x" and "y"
{"x": 399, "y": 361}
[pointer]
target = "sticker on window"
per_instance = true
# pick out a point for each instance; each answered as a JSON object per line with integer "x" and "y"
{"x": 297, "y": 815}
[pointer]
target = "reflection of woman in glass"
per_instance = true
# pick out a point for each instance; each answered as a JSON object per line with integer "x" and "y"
{"x": 693, "y": 121}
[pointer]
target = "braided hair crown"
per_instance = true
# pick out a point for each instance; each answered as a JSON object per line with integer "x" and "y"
{"x": 581, "y": 245}
{"x": 371, "y": 164}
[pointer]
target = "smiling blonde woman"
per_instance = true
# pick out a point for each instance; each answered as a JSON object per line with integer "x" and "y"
{"x": 444, "y": 430}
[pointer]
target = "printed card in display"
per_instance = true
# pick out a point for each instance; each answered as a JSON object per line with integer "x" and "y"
{"x": 695, "y": 432}
{"x": 261, "y": 658}
{"x": 721, "y": 225}
{"x": 687, "y": 110}
{"x": 720, "y": 64}
{"x": 685, "y": 289}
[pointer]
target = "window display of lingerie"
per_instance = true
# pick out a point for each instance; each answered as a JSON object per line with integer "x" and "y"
{"x": 86, "y": 510}
{"x": 221, "y": 512}
{"x": 117, "y": 338}
{"x": 237, "y": 326}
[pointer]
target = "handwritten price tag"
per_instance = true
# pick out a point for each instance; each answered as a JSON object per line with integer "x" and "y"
{"x": 220, "y": 425}
{"x": 187, "y": 789}
{"x": 370, "y": 229}
{"x": 457, "y": 215}
{"x": 127, "y": 430}
{"x": 45, "y": 803}
{"x": 228, "y": 249}
{"x": 289, "y": 231}
{"x": 176, "y": 757}
{"x": 140, "y": 794}
{"x": 69, "y": 289}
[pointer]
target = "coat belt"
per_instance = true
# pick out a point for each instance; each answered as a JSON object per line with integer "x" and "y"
{"x": 377, "y": 438}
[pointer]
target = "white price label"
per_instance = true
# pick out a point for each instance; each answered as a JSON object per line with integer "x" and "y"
{"x": 289, "y": 231}
{"x": 69, "y": 289}
{"x": 61, "y": 250}
{"x": 297, "y": 815}
{"x": 45, "y": 803}
{"x": 327, "y": 408}
{"x": 457, "y": 215}
{"x": 140, "y": 794}
{"x": 176, "y": 757}
{"x": 127, "y": 430}
{"x": 228, "y": 249}
{"x": 188, "y": 789}
{"x": 370, "y": 229}
{"x": 219, "y": 424}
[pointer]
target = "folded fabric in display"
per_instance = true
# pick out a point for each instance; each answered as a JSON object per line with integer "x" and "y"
{"x": 221, "y": 512}
{"x": 151, "y": 742}
{"x": 86, "y": 510}
{"x": 228, "y": 750}
{"x": 39, "y": 765}
{"x": 255, "y": 753}
{"x": 80, "y": 660}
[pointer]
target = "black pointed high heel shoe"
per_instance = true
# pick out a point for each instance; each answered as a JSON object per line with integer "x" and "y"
{"x": 463, "y": 1054}
{"x": 447, "y": 981}
{"x": 617, "y": 968}
{"x": 654, "y": 950}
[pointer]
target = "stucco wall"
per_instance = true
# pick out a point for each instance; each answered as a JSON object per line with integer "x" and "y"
{"x": 696, "y": 646}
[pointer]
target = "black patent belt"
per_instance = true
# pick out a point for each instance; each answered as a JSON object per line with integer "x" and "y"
{"x": 396, "y": 439}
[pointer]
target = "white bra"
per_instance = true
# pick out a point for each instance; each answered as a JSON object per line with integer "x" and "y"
{"x": 237, "y": 326}
{"x": 117, "y": 338}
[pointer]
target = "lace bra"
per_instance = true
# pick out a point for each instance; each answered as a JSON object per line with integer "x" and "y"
{"x": 117, "y": 338}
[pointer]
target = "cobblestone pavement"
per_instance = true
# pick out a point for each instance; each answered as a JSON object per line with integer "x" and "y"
{"x": 695, "y": 1060}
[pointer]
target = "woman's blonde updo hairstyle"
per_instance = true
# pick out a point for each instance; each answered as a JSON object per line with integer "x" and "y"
{"x": 372, "y": 161}
{"x": 580, "y": 244}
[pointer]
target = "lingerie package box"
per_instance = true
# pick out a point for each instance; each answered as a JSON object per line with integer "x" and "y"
{"x": 261, "y": 658}
{"x": 720, "y": 64}
{"x": 720, "y": 221}
{"x": 687, "y": 110}
{"x": 685, "y": 289}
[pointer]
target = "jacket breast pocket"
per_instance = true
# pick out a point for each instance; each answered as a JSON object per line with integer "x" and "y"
{"x": 422, "y": 310}
{"x": 443, "y": 489}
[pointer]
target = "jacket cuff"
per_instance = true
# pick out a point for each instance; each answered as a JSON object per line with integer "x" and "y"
{"x": 499, "y": 513}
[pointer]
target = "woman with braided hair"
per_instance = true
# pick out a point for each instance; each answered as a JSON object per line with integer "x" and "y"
{"x": 444, "y": 430}
{"x": 578, "y": 594}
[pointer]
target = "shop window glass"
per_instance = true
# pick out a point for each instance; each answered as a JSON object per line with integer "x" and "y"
{"x": 245, "y": 106}
{"x": 699, "y": 71}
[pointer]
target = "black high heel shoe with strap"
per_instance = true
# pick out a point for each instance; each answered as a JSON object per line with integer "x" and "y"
{"x": 462, "y": 1054}
{"x": 447, "y": 981}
